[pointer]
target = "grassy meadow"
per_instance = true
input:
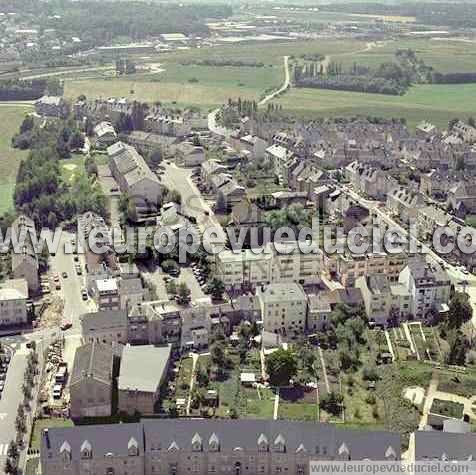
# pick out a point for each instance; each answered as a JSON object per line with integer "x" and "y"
{"x": 11, "y": 117}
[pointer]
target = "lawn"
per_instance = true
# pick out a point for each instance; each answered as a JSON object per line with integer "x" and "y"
{"x": 436, "y": 103}
{"x": 72, "y": 167}
{"x": 462, "y": 384}
{"x": 12, "y": 117}
{"x": 183, "y": 378}
{"x": 447, "y": 408}
{"x": 298, "y": 412}
{"x": 40, "y": 424}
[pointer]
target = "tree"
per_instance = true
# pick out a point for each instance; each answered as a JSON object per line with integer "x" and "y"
{"x": 472, "y": 122}
{"x": 13, "y": 450}
{"x": 173, "y": 196}
{"x": 217, "y": 352}
{"x": 10, "y": 467}
{"x": 183, "y": 294}
{"x": 27, "y": 124}
{"x": 460, "y": 311}
{"x": 459, "y": 346}
{"x": 332, "y": 403}
{"x": 281, "y": 367}
{"x": 216, "y": 288}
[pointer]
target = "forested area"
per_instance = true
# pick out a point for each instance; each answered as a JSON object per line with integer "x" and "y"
{"x": 392, "y": 78}
{"x": 41, "y": 191}
{"x": 17, "y": 90}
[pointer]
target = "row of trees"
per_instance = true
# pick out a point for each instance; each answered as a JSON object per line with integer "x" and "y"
{"x": 222, "y": 62}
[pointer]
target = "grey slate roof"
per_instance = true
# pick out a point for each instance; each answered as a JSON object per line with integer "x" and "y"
{"x": 103, "y": 319}
{"x": 231, "y": 434}
{"x": 92, "y": 360}
{"x": 435, "y": 444}
{"x": 104, "y": 439}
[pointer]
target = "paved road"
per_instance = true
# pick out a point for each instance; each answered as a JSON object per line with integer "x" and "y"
{"x": 74, "y": 305}
{"x": 214, "y": 127}
{"x": 193, "y": 203}
{"x": 283, "y": 88}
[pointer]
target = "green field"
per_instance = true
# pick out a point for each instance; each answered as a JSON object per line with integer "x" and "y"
{"x": 444, "y": 56}
{"x": 206, "y": 86}
{"x": 436, "y": 103}
{"x": 11, "y": 118}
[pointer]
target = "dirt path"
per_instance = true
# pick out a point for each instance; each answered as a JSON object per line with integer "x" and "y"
{"x": 324, "y": 370}
{"x": 284, "y": 87}
{"x": 192, "y": 382}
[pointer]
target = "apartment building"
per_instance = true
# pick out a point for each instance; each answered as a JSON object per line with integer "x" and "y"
{"x": 283, "y": 308}
{"x": 106, "y": 294}
{"x": 290, "y": 261}
{"x": 348, "y": 267}
{"x": 428, "y": 285}
{"x": 106, "y": 326}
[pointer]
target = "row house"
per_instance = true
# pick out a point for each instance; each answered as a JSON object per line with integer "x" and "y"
{"x": 461, "y": 198}
{"x": 283, "y": 308}
{"x": 429, "y": 218}
{"x": 170, "y": 125}
{"x": 179, "y": 447}
{"x": 25, "y": 263}
{"x": 404, "y": 203}
{"x": 371, "y": 181}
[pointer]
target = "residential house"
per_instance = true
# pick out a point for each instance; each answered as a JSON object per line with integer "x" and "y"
{"x": 428, "y": 285}
{"x": 228, "y": 195}
{"x": 211, "y": 168}
{"x": 279, "y": 156}
{"x": 247, "y": 217}
{"x": 253, "y": 144}
{"x": 13, "y": 298}
{"x": 135, "y": 178}
{"x": 465, "y": 131}
{"x": 462, "y": 198}
{"x": 51, "y": 106}
{"x": 147, "y": 142}
{"x": 404, "y": 203}
{"x": 104, "y": 134}
{"x": 377, "y": 297}
{"x": 90, "y": 384}
{"x": 105, "y": 326}
{"x": 106, "y": 294}
{"x": 189, "y": 155}
{"x": 318, "y": 312}
{"x": 425, "y": 130}
{"x": 283, "y": 308}
{"x": 139, "y": 384}
{"x": 371, "y": 181}
{"x": 24, "y": 258}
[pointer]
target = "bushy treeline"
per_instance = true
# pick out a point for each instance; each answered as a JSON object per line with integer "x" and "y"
{"x": 367, "y": 84}
{"x": 221, "y": 62}
{"x": 16, "y": 90}
{"x": 454, "y": 78}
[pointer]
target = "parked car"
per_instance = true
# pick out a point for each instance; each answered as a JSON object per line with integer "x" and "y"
{"x": 76, "y": 258}
{"x": 84, "y": 294}
{"x": 65, "y": 325}
{"x": 65, "y": 275}
{"x": 57, "y": 391}
{"x": 79, "y": 271}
